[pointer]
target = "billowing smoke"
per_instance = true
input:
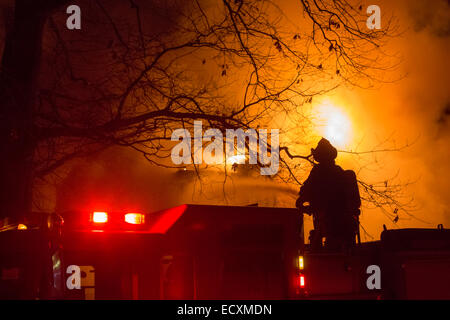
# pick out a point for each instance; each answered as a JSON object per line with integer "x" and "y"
{"x": 414, "y": 109}
{"x": 120, "y": 179}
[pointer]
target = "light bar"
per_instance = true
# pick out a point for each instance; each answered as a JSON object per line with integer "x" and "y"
{"x": 135, "y": 218}
{"x": 100, "y": 217}
{"x": 301, "y": 263}
{"x": 302, "y": 281}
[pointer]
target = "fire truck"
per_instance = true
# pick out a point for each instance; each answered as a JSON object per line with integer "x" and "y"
{"x": 210, "y": 252}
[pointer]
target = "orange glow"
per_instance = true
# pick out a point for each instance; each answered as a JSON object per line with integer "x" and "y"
{"x": 135, "y": 218}
{"x": 335, "y": 124}
{"x": 302, "y": 281}
{"x": 22, "y": 227}
{"x": 100, "y": 217}
{"x": 236, "y": 159}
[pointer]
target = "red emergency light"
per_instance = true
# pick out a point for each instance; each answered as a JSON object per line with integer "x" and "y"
{"x": 105, "y": 220}
{"x": 302, "y": 281}
{"x": 112, "y": 221}
{"x": 99, "y": 217}
{"x": 135, "y": 218}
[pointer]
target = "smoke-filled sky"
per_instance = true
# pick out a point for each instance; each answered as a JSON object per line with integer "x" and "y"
{"x": 413, "y": 111}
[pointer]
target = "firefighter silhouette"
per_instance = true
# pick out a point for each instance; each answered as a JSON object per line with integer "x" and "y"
{"x": 334, "y": 200}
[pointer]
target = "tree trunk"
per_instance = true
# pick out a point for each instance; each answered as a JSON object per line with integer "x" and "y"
{"x": 20, "y": 66}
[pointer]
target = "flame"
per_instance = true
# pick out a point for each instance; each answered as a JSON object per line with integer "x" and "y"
{"x": 335, "y": 125}
{"x": 238, "y": 159}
